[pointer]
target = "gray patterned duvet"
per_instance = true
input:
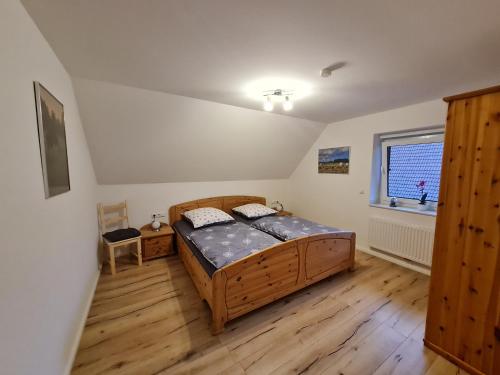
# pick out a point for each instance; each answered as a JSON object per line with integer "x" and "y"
{"x": 224, "y": 244}
{"x": 291, "y": 227}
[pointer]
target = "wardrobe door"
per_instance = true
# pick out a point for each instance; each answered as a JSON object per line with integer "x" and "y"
{"x": 464, "y": 296}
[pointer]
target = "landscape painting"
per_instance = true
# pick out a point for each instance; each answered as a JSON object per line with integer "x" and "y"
{"x": 334, "y": 160}
{"x": 52, "y": 138}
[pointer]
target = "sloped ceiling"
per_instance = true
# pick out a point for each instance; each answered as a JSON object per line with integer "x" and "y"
{"x": 142, "y": 136}
{"x": 396, "y": 52}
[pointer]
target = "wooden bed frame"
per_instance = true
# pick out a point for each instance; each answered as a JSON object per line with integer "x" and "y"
{"x": 266, "y": 276}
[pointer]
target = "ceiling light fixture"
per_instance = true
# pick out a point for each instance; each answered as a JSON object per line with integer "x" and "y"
{"x": 274, "y": 91}
{"x": 277, "y": 95}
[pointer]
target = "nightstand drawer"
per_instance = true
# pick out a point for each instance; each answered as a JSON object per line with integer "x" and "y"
{"x": 158, "y": 246}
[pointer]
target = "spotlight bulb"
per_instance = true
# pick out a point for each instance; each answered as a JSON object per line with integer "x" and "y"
{"x": 287, "y": 104}
{"x": 268, "y": 105}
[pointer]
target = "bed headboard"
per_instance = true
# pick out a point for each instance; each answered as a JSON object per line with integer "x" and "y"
{"x": 226, "y": 203}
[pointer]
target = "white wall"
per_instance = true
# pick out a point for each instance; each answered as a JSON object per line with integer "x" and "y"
{"x": 145, "y": 199}
{"x": 343, "y": 200}
{"x": 48, "y": 247}
{"x": 142, "y": 136}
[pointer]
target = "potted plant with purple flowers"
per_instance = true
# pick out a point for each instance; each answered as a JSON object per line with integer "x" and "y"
{"x": 422, "y": 204}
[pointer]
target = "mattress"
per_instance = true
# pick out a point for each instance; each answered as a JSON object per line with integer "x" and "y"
{"x": 288, "y": 228}
{"x": 219, "y": 245}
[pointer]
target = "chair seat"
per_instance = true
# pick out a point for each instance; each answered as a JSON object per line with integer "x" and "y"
{"x": 119, "y": 235}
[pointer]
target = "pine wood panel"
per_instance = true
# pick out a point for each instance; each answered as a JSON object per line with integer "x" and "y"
{"x": 149, "y": 320}
{"x": 321, "y": 255}
{"x": 114, "y": 207}
{"x": 270, "y": 274}
{"x": 464, "y": 292}
{"x": 156, "y": 247}
{"x": 260, "y": 277}
{"x": 472, "y": 94}
{"x": 201, "y": 280}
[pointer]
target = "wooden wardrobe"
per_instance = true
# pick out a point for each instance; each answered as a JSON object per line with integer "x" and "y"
{"x": 463, "y": 318}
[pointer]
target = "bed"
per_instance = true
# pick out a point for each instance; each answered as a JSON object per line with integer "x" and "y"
{"x": 261, "y": 278}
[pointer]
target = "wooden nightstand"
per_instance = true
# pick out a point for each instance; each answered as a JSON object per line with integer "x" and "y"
{"x": 285, "y": 213}
{"x": 157, "y": 244}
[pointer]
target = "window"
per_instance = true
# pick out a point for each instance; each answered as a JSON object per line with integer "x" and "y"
{"x": 409, "y": 160}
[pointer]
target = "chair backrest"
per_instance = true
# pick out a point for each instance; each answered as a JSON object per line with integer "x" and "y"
{"x": 112, "y": 216}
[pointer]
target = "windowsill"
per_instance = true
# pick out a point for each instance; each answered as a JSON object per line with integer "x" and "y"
{"x": 404, "y": 209}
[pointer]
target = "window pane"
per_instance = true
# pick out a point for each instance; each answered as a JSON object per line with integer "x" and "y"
{"x": 411, "y": 163}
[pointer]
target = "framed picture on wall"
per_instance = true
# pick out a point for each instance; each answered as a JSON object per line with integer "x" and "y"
{"x": 52, "y": 139}
{"x": 334, "y": 160}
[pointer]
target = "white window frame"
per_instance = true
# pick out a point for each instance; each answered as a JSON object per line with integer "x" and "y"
{"x": 402, "y": 139}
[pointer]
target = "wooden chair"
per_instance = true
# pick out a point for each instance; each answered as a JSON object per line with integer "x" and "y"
{"x": 116, "y": 216}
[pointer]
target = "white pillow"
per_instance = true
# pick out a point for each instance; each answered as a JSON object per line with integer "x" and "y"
{"x": 201, "y": 217}
{"x": 254, "y": 210}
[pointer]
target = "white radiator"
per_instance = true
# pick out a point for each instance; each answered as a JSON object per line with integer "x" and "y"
{"x": 411, "y": 242}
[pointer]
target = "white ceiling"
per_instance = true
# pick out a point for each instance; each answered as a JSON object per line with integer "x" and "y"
{"x": 396, "y": 52}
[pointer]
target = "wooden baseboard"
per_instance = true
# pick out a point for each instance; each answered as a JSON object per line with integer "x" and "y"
{"x": 78, "y": 336}
{"x": 464, "y": 365}
{"x": 398, "y": 261}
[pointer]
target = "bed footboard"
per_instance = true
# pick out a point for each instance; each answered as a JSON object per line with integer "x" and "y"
{"x": 273, "y": 273}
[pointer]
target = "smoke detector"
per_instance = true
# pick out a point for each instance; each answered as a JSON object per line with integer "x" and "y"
{"x": 327, "y": 72}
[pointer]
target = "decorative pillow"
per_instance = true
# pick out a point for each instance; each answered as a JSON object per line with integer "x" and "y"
{"x": 254, "y": 210}
{"x": 201, "y": 217}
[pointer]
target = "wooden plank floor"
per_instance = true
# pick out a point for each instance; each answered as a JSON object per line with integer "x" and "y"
{"x": 150, "y": 320}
